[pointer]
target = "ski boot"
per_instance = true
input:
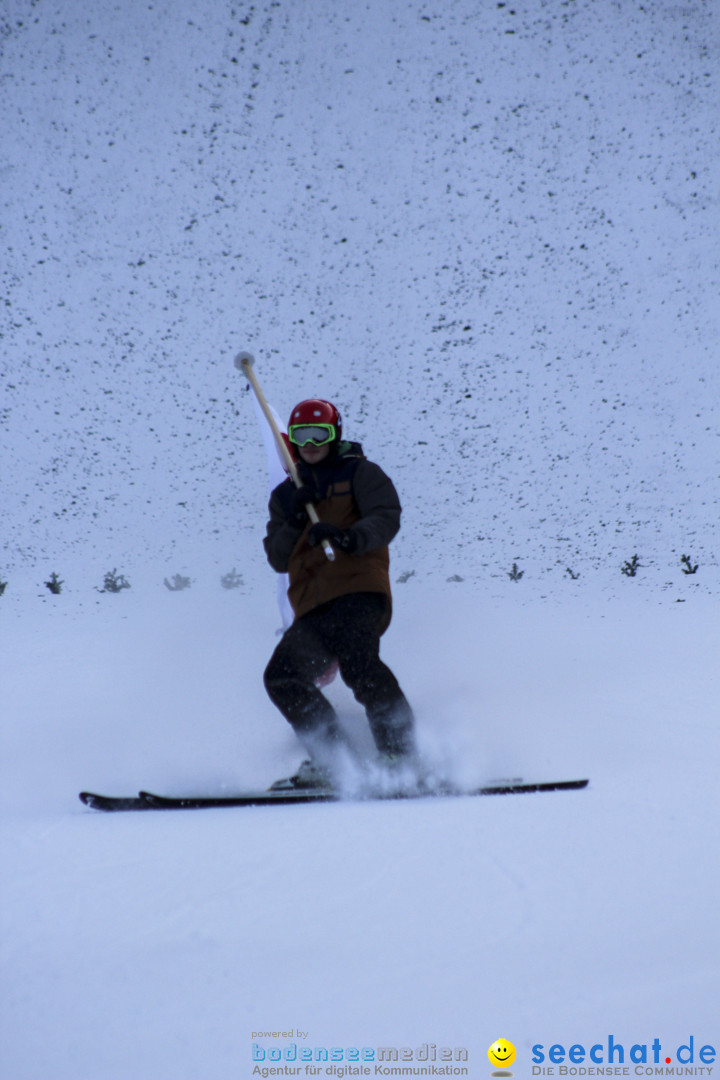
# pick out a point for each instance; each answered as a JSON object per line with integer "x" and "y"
{"x": 310, "y": 775}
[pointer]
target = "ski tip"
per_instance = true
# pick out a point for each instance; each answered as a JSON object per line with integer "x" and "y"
{"x": 95, "y": 802}
{"x": 109, "y": 803}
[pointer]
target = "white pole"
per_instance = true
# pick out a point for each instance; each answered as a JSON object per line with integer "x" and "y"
{"x": 244, "y": 361}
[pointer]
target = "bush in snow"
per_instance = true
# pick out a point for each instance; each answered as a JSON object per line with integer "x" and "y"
{"x": 231, "y": 580}
{"x": 114, "y": 582}
{"x": 178, "y": 582}
{"x": 3, "y": 586}
{"x": 54, "y": 584}
{"x": 631, "y": 568}
{"x": 688, "y": 566}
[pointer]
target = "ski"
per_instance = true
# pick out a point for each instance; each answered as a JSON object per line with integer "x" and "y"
{"x": 113, "y": 802}
{"x": 146, "y": 800}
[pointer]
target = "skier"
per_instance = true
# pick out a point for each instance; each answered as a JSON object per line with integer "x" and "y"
{"x": 341, "y": 606}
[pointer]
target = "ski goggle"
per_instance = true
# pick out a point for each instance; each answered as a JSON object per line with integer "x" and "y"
{"x": 317, "y": 434}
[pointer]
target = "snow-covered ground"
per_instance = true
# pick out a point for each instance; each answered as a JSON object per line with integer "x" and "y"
{"x": 157, "y": 944}
{"x": 489, "y": 231}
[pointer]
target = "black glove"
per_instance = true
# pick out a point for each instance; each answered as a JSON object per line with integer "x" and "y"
{"x": 344, "y": 539}
{"x": 296, "y": 514}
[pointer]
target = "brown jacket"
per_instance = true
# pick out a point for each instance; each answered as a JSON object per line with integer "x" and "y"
{"x": 350, "y": 492}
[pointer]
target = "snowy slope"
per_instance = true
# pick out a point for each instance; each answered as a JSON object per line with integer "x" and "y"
{"x": 489, "y": 232}
{"x": 503, "y": 217}
{"x": 156, "y": 944}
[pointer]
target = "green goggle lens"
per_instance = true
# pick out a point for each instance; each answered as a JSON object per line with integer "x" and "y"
{"x": 317, "y": 434}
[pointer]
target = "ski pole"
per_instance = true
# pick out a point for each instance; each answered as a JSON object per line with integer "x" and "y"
{"x": 244, "y": 361}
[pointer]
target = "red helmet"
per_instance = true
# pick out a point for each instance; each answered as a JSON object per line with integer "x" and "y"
{"x": 316, "y": 411}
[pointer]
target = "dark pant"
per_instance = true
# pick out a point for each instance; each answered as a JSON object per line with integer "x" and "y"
{"x": 346, "y": 630}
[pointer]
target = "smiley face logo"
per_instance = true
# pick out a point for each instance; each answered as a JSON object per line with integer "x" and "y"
{"x": 501, "y": 1053}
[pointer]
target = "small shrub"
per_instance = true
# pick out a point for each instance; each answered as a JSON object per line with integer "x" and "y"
{"x": 178, "y": 583}
{"x": 114, "y": 582}
{"x": 688, "y": 566}
{"x": 232, "y": 580}
{"x": 516, "y": 573}
{"x": 54, "y": 584}
{"x": 631, "y": 568}
{"x": 3, "y": 587}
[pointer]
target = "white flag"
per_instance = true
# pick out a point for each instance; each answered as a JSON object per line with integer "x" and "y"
{"x": 276, "y": 474}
